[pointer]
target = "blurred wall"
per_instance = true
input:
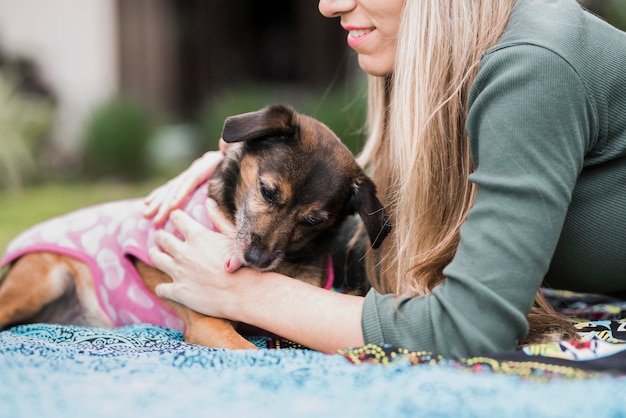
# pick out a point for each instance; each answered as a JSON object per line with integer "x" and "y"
{"x": 167, "y": 55}
{"x": 74, "y": 45}
{"x": 172, "y": 54}
{"x": 176, "y": 54}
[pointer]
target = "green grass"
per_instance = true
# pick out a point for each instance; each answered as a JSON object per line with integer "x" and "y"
{"x": 19, "y": 210}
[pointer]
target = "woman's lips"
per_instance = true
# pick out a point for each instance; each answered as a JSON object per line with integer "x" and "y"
{"x": 357, "y": 35}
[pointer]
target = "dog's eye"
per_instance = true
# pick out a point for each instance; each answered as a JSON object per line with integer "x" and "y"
{"x": 267, "y": 194}
{"x": 314, "y": 220}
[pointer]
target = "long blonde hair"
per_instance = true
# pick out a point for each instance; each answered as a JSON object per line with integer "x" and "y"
{"x": 417, "y": 151}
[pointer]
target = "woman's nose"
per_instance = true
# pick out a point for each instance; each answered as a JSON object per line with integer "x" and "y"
{"x": 335, "y": 8}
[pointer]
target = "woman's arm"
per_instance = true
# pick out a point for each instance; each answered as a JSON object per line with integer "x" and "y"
{"x": 313, "y": 317}
{"x": 529, "y": 123}
{"x": 316, "y": 318}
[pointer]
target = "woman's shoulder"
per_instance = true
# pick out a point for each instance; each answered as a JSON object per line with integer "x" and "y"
{"x": 558, "y": 44}
{"x": 566, "y": 29}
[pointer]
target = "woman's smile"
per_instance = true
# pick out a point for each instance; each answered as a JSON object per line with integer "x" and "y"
{"x": 357, "y": 35}
{"x": 372, "y": 27}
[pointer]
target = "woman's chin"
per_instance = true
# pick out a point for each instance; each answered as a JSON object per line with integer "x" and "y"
{"x": 375, "y": 67}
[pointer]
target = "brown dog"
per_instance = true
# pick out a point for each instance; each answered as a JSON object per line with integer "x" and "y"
{"x": 286, "y": 182}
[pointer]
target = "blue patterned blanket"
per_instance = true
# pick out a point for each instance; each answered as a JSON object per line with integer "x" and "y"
{"x": 65, "y": 371}
{"x": 143, "y": 370}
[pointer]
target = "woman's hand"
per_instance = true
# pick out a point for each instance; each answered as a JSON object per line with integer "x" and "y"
{"x": 164, "y": 199}
{"x": 199, "y": 262}
{"x": 198, "y": 265}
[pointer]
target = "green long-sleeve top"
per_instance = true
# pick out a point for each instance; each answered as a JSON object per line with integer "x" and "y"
{"x": 547, "y": 128}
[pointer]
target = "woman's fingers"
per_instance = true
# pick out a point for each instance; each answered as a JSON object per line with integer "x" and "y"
{"x": 235, "y": 260}
{"x": 152, "y": 201}
{"x": 166, "y": 291}
{"x": 218, "y": 219}
{"x": 169, "y": 245}
{"x": 223, "y": 225}
{"x": 164, "y": 199}
{"x": 172, "y": 199}
{"x": 184, "y": 223}
{"x": 172, "y": 250}
{"x": 162, "y": 260}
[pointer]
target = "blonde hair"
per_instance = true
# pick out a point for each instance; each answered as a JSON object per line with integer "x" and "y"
{"x": 417, "y": 151}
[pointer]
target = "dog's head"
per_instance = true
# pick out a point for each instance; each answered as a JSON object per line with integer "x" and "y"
{"x": 286, "y": 181}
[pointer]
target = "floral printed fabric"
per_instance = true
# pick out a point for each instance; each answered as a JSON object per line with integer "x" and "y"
{"x": 597, "y": 353}
{"x": 142, "y": 370}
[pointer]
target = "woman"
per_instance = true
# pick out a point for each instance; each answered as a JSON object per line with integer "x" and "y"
{"x": 497, "y": 138}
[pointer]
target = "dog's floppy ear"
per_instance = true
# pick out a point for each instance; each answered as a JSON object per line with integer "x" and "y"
{"x": 372, "y": 212}
{"x": 275, "y": 120}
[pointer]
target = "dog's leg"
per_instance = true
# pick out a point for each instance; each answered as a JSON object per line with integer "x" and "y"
{"x": 33, "y": 282}
{"x": 212, "y": 332}
{"x": 199, "y": 329}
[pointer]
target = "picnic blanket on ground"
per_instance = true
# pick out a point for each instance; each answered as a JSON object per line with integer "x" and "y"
{"x": 144, "y": 370}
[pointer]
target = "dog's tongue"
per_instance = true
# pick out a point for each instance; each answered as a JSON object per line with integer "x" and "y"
{"x": 233, "y": 264}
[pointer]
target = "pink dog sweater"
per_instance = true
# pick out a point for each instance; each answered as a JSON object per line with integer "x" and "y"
{"x": 105, "y": 237}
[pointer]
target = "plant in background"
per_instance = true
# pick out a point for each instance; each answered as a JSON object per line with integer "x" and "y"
{"x": 342, "y": 109}
{"x": 24, "y": 121}
{"x": 228, "y": 103}
{"x": 115, "y": 142}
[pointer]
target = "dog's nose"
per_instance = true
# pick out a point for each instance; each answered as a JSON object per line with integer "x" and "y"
{"x": 259, "y": 256}
{"x": 258, "y": 259}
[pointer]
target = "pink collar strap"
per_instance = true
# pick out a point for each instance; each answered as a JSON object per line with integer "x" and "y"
{"x": 331, "y": 274}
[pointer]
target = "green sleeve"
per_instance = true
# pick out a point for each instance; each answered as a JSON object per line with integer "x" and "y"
{"x": 530, "y": 124}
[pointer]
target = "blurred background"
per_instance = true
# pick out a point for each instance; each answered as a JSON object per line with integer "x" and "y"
{"x": 128, "y": 88}
{"x": 105, "y": 99}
